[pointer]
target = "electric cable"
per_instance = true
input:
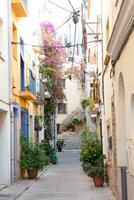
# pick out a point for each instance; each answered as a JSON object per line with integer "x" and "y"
{"x": 71, "y": 5}
{"x": 58, "y": 6}
{"x": 70, "y": 17}
{"x": 64, "y": 22}
{"x": 91, "y": 29}
{"x": 66, "y": 46}
{"x": 74, "y": 44}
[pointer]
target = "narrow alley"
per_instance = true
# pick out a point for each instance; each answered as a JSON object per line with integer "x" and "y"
{"x": 64, "y": 181}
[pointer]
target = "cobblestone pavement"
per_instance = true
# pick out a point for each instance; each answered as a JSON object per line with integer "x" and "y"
{"x": 64, "y": 181}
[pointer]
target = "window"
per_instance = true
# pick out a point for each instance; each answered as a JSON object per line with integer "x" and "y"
{"x": 24, "y": 123}
{"x": 14, "y": 32}
{"x": 62, "y": 108}
{"x": 58, "y": 128}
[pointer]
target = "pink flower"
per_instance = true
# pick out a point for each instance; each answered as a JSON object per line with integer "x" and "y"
{"x": 47, "y": 25}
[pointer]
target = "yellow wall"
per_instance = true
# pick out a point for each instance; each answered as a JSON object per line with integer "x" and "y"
{"x": 33, "y": 108}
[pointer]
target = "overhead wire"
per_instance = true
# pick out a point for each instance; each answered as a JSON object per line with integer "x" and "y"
{"x": 64, "y": 22}
{"x": 74, "y": 44}
{"x": 45, "y": 46}
{"x": 58, "y": 6}
{"x": 70, "y": 17}
{"x": 91, "y": 29}
{"x": 71, "y": 5}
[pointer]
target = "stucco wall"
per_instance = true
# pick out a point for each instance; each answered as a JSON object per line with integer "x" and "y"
{"x": 73, "y": 94}
{"x": 4, "y": 98}
{"x": 125, "y": 66}
{"x": 4, "y": 147}
{"x": 123, "y": 80}
{"x": 4, "y": 81}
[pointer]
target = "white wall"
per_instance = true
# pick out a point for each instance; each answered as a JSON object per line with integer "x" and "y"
{"x": 4, "y": 147}
{"x": 4, "y": 97}
{"x": 73, "y": 94}
{"x": 4, "y": 86}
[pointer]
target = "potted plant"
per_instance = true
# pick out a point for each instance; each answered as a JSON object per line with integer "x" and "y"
{"x": 97, "y": 172}
{"x": 70, "y": 126}
{"x": 92, "y": 158}
{"x": 49, "y": 152}
{"x": 77, "y": 122}
{"x": 60, "y": 144}
{"x": 32, "y": 157}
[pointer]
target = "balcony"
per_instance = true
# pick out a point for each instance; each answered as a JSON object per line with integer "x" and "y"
{"x": 28, "y": 89}
{"x": 27, "y": 95}
{"x": 20, "y": 7}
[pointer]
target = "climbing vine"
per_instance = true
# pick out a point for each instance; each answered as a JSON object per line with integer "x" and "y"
{"x": 51, "y": 68}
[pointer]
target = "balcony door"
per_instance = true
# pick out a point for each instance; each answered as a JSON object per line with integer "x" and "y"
{"x": 24, "y": 123}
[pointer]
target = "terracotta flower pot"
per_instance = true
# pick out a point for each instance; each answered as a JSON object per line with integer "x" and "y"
{"x": 23, "y": 173}
{"x": 98, "y": 181}
{"x": 32, "y": 174}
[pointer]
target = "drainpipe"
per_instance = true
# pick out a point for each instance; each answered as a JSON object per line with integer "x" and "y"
{"x": 102, "y": 94}
{"x": 10, "y": 91}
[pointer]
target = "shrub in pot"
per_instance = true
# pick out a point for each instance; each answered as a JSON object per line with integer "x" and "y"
{"x": 97, "y": 172}
{"x": 49, "y": 152}
{"x": 60, "y": 144}
{"x": 54, "y": 158}
{"x": 47, "y": 149}
{"x": 91, "y": 156}
{"x": 32, "y": 158}
{"x": 70, "y": 126}
{"x": 77, "y": 122}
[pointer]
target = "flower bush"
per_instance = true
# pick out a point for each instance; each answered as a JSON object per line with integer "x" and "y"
{"x": 51, "y": 68}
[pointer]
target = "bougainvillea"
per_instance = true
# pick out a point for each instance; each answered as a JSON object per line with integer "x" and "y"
{"x": 50, "y": 68}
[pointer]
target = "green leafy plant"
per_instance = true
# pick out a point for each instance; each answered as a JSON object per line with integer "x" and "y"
{"x": 49, "y": 152}
{"x": 70, "y": 125}
{"x": 85, "y": 102}
{"x": 60, "y": 142}
{"x": 98, "y": 169}
{"x": 91, "y": 155}
{"x": 31, "y": 156}
{"x": 76, "y": 120}
{"x": 91, "y": 104}
{"x": 54, "y": 158}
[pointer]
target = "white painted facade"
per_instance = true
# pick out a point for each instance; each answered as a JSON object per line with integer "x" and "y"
{"x": 5, "y": 149}
{"x": 73, "y": 93}
{"x": 118, "y": 23}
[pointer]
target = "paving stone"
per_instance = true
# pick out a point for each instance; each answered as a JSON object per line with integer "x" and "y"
{"x": 64, "y": 181}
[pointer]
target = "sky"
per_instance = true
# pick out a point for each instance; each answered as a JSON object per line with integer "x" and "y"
{"x": 52, "y": 13}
